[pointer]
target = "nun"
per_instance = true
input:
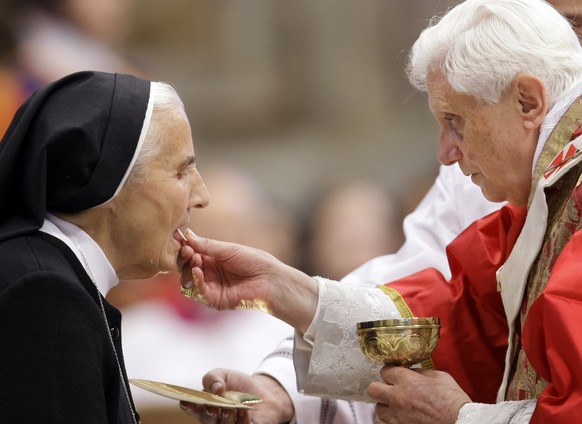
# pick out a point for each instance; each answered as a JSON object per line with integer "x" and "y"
{"x": 97, "y": 178}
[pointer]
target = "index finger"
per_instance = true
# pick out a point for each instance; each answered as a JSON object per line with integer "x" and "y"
{"x": 392, "y": 374}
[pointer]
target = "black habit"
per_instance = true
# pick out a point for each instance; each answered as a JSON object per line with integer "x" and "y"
{"x": 69, "y": 148}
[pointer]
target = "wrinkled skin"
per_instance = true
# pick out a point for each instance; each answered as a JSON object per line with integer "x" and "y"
{"x": 417, "y": 396}
{"x": 276, "y": 406}
{"x": 232, "y": 276}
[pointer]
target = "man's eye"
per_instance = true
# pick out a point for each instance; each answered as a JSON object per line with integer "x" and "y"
{"x": 452, "y": 120}
{"x": 453, "y": 124}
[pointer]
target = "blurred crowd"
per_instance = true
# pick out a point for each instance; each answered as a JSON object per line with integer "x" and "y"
{"x": 53, "y": 38}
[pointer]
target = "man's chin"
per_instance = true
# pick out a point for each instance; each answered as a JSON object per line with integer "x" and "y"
{"x": 492, "y": 197}
{"x": 488, "y": 194}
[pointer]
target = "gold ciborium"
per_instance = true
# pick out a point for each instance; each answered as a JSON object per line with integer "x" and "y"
{"x": 403, "y": 341}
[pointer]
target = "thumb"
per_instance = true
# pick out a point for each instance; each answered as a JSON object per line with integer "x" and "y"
{"x": 214, "y": 381}
{"x": 206, "y": 246}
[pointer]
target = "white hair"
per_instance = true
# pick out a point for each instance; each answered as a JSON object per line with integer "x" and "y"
{"x": 167, "y": 103}
{"x": 482, "y": 45}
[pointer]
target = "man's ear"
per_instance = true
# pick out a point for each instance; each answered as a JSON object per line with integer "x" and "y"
{"x": 531, "y": 95}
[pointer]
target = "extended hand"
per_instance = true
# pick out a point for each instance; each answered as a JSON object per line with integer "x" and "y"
{"x": 231, "y": 276}
{"x": 417, "y": 396}
{"x": 227, "y": 275}
{"x": 275, "y": 408}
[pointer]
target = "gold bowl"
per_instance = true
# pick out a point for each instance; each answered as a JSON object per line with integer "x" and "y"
{"x": 403, "y": 341}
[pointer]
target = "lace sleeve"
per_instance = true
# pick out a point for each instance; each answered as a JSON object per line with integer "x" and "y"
{"x": 514, "y": 412}
{"x": 337, "y": 366}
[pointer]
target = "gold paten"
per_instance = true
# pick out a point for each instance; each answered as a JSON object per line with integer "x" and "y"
{"x": 231, "y": 399}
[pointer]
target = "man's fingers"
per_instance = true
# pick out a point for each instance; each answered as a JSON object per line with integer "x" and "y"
{"x": 381, "y": 392}
{"x": 394, "y": 374}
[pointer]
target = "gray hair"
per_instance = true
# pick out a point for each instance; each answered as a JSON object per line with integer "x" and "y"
{"x": 167, "y": 103}
{"x": 482, "y": 45}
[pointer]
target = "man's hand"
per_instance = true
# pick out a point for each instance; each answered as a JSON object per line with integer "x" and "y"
{"x": 275, "y": 408}
{"x": 226, "y": 275}
{"x": 417, "y": 396}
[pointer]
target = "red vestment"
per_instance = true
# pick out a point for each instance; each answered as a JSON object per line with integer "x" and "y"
{"x": 542, "y": 278}
{"x": 474, "y": 326}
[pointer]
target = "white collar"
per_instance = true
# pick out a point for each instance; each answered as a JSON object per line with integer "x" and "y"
{"x": 87, "y": 251}
{"x": 552, "y": 118}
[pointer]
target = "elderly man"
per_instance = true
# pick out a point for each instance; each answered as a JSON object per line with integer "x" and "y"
{"x": 504, "y": 79}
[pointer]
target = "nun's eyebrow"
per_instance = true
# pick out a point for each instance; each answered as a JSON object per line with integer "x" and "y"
{"x": 190, "y": 160}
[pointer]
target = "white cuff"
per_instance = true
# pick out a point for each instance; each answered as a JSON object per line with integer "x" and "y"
{"x": 512, "y": 412}
{"x": 328, "y": 360}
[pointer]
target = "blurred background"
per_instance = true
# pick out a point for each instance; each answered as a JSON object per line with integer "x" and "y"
{"x": 306, "y": 131}
{"x": 297, "y": 92}
{"x": 292, "y": 91}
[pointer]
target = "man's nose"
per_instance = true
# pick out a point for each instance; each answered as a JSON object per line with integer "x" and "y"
{"x": 448, "y": 153}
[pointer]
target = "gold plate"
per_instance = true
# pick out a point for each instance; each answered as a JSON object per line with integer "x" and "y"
{"x": 188, "y": 395}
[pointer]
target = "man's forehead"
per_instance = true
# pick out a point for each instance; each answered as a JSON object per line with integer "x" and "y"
{"x": 438, "y": 89}
{"x": 442, "y": 98}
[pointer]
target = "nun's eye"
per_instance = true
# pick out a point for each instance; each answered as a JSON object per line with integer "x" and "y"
{"x": 186, "y": 171}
